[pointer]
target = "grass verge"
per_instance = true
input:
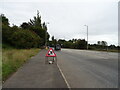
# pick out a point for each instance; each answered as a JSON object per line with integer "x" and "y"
{"x": 12, "y": 59}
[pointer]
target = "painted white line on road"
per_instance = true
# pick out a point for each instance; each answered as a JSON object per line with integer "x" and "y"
{"x": 64, "y": 77}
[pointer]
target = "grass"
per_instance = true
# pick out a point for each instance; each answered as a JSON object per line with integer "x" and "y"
{"x": 114, "y": 51}
{"x": 0, "y": 66}
{"x": 12, "y": 59}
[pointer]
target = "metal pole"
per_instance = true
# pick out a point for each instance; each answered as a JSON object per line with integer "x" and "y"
{"x": 87, "y": 35}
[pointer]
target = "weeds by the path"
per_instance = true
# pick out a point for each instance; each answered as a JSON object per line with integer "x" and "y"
{"x": 12, "y": 59}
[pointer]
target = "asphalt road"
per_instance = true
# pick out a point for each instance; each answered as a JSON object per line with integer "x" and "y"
{"x": 89, "y": 69}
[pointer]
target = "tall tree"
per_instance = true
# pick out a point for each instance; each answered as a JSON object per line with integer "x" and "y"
{"x": 99, "y": 43}
{"x": 104, "y": 43}
{"x": 36, "y": 20}
{"x": 53, "y": 38}
{"x": 5, "y": 20}
{"x": 39, "y": 28}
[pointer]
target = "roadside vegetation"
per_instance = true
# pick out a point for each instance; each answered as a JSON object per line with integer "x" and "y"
{"x": 12, "y": 59}
{"x": 0, "y": 65}
{"x": 19, "y": 43}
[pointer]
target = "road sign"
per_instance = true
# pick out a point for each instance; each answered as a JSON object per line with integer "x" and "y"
{"x": 50, "y": 53}
{"x": 48, "y": 56}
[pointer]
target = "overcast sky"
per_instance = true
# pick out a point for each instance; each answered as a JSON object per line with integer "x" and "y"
{"x": 67, "y": 18}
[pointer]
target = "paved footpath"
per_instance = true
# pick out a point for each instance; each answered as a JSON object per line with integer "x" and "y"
{"x": 36, "y": 74}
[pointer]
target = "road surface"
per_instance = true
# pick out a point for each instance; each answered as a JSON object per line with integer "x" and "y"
{"x": 89, "y": 69}
{"x": 75, "y": 69}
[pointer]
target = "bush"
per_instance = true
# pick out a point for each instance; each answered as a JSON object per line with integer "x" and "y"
{"x": 25, "y": 39}
{"x": 6, "y": 33}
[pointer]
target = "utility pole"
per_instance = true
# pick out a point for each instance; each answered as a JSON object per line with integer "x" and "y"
{"x": 87, "y": 35}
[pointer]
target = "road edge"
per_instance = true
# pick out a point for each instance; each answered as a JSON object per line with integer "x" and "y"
{"x": 64, "y": 77}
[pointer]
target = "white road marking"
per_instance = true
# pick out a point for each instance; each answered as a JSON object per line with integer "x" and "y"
{"x": 64, "y": 78}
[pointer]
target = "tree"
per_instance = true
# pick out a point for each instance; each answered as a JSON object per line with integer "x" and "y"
{"x": 67, "y": 44}
{"x": 36, "y": 21}
{"x": 112, "y": 46}
{"x": 99, "y": 43}
{"x": 6, "y": 30}
{"x": 25, "y": 25}
{"x": 104, "y": 43}
{"x": 81, "y": 44}
{"x": 5, "y": 20}
{"x": 39, "y": 28}
{"x": 53, "y": 38}
{"x": 45, "y": 33}
{"x": 25, "y": 39}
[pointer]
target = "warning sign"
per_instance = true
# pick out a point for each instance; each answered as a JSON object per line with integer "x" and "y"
{"x": 50, "y": 53}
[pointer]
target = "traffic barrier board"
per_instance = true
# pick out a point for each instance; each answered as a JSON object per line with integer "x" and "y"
{"x": 50, "y": 53}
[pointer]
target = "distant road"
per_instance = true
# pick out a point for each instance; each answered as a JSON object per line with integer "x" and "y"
{"x": 89, "y": 69}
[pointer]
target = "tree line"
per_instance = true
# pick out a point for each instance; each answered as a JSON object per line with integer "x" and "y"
{"x": 32, "y": 34}
{"x": 29, "y": 34}
{"x": 74, "y": 43}
{"x": 82, "y": 44}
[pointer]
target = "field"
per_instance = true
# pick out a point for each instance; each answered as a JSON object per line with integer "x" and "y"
{"x": 12, "y": 59}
